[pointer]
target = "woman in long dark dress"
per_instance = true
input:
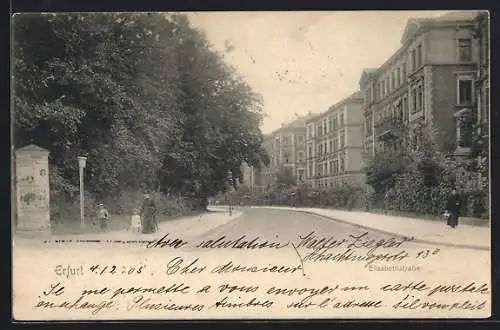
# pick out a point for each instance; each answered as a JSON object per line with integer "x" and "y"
{"x": 148, "y": 215}
{"x": 453, "y": 207}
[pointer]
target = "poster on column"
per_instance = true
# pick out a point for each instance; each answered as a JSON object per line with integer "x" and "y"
{"x": 330, "y": 197}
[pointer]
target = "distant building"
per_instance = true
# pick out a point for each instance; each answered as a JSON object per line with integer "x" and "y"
{"x": 335, "y": 144}
{"x": 286, "y": 150}
{"x": 428, "y": 81}
{"x": 251, "y": 176}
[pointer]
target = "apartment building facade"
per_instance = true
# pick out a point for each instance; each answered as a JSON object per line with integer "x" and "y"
{"x": 429, "y": 82}
{"x": 335, "y": 144}
{"x": 286, "y": 150}
{"x": 482, "y": 34}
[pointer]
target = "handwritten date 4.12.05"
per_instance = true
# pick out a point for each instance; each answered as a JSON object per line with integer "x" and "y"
{"x": 116, "y": 269}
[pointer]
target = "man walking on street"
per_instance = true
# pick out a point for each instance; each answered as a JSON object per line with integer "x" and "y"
{"x": 453, "y": 207}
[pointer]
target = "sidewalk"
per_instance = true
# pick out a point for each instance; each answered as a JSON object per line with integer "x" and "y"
{"x": 184, "y": 227}
{"x": 431, "y": 232}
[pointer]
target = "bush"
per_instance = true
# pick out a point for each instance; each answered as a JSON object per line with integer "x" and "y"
{"x": 67, "y": 210}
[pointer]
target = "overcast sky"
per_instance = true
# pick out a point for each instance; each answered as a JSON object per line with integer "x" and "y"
{"x": 304, "y": 61}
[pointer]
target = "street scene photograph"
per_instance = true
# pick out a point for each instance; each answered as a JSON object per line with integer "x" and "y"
{"x": 250, "y": 165}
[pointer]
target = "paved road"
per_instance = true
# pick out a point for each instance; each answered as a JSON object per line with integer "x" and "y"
{"x": 283, "y": 225}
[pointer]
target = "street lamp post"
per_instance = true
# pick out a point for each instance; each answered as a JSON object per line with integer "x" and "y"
{"x": 81, "y": 166}
{"x": 230, "y": 180}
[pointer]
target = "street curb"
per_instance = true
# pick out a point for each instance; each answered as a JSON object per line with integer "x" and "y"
{"x": 214, "y": 228}
{"x": 418, "y": 240}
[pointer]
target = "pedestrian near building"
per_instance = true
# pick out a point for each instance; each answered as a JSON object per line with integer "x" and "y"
{"x": 453, "y": 206}
{"x": 386, "y": 200}
{"x": 148, "y": 215}
{"x": 368, "y": 197}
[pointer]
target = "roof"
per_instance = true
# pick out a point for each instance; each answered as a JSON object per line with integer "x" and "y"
{"x": 299, "y": 122}
{"x": 459, "y": 15}
{"x": 354, "y": 96}
{"x": 32, "y": 148}
{"x": 366, "y": 73}
{"x": 414, "y": 24}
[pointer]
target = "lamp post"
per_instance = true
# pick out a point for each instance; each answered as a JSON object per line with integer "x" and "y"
{"x": 230, "y": 180}
{"x": 81, "y": 166}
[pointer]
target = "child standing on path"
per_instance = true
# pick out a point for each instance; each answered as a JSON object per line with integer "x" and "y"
{"x": 135, "y": 221}
{"x": 102, "y": 217}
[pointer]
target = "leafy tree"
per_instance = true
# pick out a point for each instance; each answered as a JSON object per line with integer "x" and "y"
{"x": 220, "y": 118}
{"x": 142, "y": 95}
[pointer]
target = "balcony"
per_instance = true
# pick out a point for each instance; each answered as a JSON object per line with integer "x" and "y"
{"x": 389, "y": 128}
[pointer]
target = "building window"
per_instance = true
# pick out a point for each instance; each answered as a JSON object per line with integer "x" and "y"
{"x": 419, "y": 55}
{"x": 335, "y": 123}
{"x": 465, "y": 134}
{"x": 301, "y": 175}
{"x": 398, "y": 77}
{"x": 413, "y": 60}
{"x": 405, "y": 107}
{"x": 330, "y": 123}
{"x": 420, "y": 90}
{"x": 414, "y": 107}
{"x": 286, "y": 140}
{"x": 335, "y": 145}
{"x": 301, "y": 156}
{"x": 342, "y": 164}
{"x": 309, "y": 150}
{"x": 486, "y": 103}
{"x": 465, "y": 85}
{"x": 464, "y": 50}
{"x": 368, "y": 124}
{"x": 300, "y": 138}
{"x": 464, "y": 128}
{"x": 331, "y": 146}
{"x": 341, "y": 119}
{"x": 286, "y": 157}
{"x": 310, "y": 171}
{"x": 342, "y": 141}
{"x": 404, "y": 71}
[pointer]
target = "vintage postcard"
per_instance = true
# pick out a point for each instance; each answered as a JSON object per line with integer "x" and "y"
{"x": 251, "y": 165}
